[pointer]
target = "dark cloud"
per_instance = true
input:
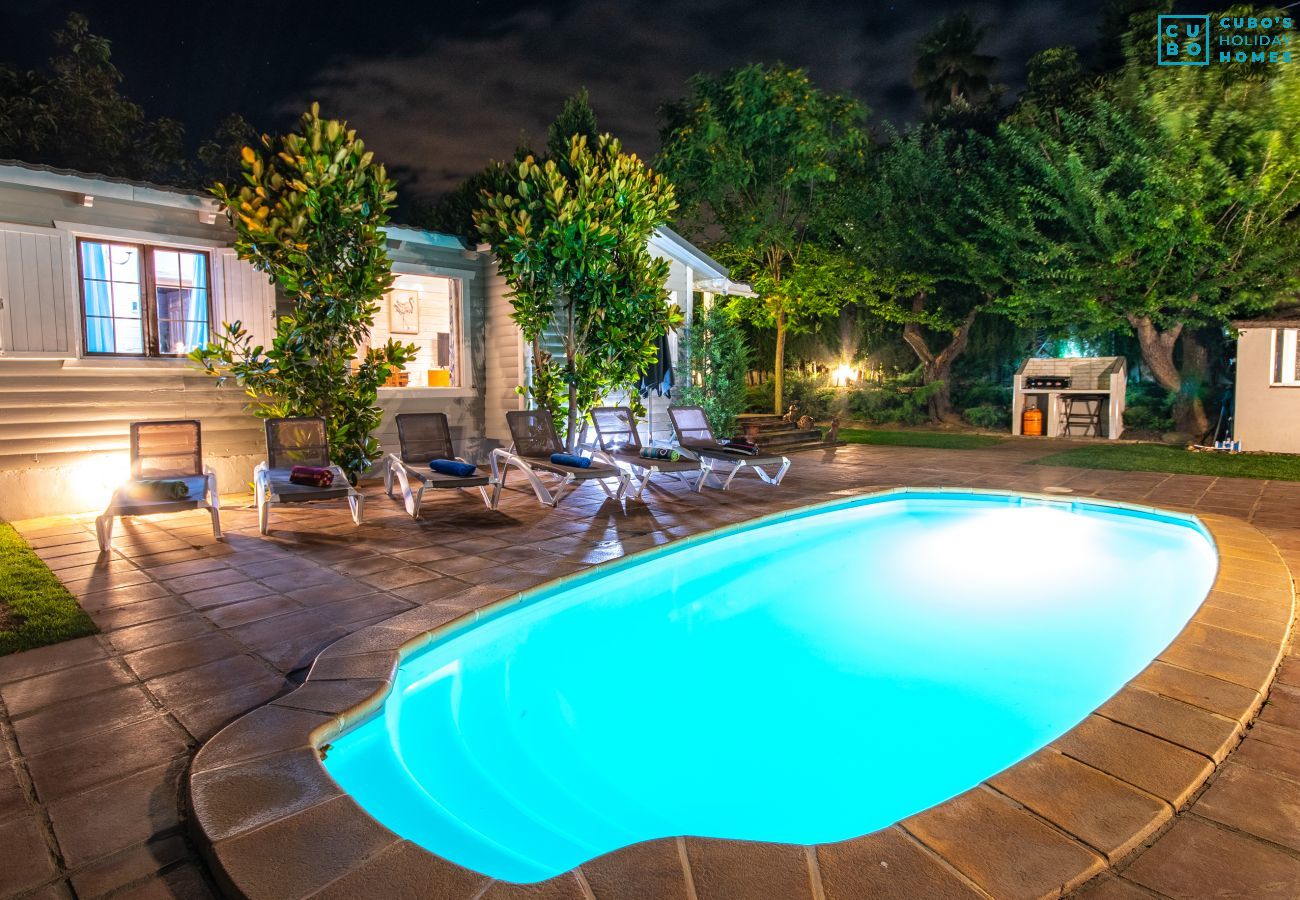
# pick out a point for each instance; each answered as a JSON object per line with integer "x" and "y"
{"x": 443, "y": 110}
{"x": 439, "y": 88}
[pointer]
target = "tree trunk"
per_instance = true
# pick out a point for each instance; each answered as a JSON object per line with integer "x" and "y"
{"x": 570, "y": 368}
{"x": 778, "y": 374}
{"x": 1195, "y": 373}
{"x": 936, "y": 368}
{"x": 1158, "y": 354}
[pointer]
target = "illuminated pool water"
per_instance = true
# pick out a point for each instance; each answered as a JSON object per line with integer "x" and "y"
{"x": 807, "y": 678}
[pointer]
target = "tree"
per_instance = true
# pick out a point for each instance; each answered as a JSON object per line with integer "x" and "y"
{"x": 1166, "y": 206}
{"x": 310, "y": 214}
{"x": 570, "y": 237}
{"x": 950, "y": 73}
{"x": 751, "y": 153}
{"x": 73, "y": 115}
{"x": 933, "y": 218}
{"x": 220, "y": 157}
{"x": 712, "y": 362}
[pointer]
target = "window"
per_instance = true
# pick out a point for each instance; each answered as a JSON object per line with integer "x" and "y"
{"x": 423, "y": 310}
{"x": 1286, "y": 356}
{"x": 140, "y": 300}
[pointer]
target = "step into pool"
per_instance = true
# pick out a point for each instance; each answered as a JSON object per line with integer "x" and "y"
{"x": 808, "y": 677}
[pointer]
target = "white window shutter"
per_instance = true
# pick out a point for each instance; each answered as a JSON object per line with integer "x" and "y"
{"x": 245, "y": 295}
{"x": 37, "y": 313}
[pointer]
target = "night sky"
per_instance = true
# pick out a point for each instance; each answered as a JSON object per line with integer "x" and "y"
{"x": 436, "y": 89}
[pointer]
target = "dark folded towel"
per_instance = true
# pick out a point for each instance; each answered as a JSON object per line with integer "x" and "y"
{"x": 741, "y": 446}
{"x": 159, "y": 489}
{"x": 311, "y": 476}
{"x": 570, "y": 459}
{"x": 452, "y": 467}
{"x": 667, "y": 453}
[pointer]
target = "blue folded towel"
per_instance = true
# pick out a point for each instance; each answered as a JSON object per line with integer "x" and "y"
{"x": 452, "y": 467}
{"x": 570, "y": 459}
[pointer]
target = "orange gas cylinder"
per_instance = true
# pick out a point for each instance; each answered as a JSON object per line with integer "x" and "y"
{"x": 1031, "y": 423}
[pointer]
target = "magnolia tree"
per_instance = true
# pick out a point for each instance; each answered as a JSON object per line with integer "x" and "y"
{"x": 310, "y": 214}
{"x": 753, "y": 152}
{"x": 570, "y": 236}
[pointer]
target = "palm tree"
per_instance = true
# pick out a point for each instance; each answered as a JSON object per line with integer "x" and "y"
{"x": 949, "y": 71}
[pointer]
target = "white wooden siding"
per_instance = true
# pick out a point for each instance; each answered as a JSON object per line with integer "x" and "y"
{"x": 503, "y": 366}
{"x": 38, "y": 312}
{"x": 244, "y": 295}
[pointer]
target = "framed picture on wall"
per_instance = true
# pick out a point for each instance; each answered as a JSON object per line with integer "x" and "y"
{"x": 404, "y": 312}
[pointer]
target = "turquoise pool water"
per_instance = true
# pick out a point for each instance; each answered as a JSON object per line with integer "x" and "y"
{"x": 809, "y": 678}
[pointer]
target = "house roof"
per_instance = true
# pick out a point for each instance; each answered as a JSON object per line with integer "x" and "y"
{"x": 110, "y": 187}
{"x": 1282, "y": 317}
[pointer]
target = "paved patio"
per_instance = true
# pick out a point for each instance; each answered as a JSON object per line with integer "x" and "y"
{"x": 96, "y": 734}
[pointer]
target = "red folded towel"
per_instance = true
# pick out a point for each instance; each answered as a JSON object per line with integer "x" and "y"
{"x": 312, "y": 476}
{"x": 740, "y": 445}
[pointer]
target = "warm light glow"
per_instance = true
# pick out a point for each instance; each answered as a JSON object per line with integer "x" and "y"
{"x": 843, "y": 375}
{"x": 96, "y": 477}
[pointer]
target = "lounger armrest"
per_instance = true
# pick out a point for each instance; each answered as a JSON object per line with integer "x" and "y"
{"x": 211, "y": 475}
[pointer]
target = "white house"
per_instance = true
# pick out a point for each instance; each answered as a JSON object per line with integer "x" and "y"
{"x": 105, "y": 284}
{"x": 1268, "y": 383}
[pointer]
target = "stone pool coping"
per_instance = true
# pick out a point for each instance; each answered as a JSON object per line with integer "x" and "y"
{"x": 272, "y": 823}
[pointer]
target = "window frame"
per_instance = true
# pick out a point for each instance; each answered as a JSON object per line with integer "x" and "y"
{"x": 1277, "y": 357}
{"x": 150, "y": 336}
{"x": 464, "y": 384}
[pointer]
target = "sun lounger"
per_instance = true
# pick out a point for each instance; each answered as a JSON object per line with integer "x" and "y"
{"x": 534, "y": 441}
{"x": 425, "y": 437}
{"x": 694, "y": 433}
{"x": 618, "y": 443}
{"x": 298, "y": 442}
{"x": 167, "y": 475}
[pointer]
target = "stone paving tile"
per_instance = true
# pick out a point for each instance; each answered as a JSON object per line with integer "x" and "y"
{"x": 184, "y": 654}
{"x": 1255, "y": 802}
{"x": 1001, "y": 847}
{"x": 1144, "y": 761}
{"x": 164, "y": 631}
{"x": 193, "y": 685}
{"x": 34, "y": 693}
{"x": 1175, "y": 721}
{"x": 105, "y": 756}
{"x": 889, "y": 865}
{"x": 25, "y": 859}
{"x": 44, "y": 660}
{"x": 1196, "y": 860}
{"x": 128, "y": 866}
{"x": 116, "y": 815}
{"x": 74, "y": 719}
{"x": 1106, "y": 814}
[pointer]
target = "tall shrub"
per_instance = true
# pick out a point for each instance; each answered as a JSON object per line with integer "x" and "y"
{"x": 570, "y": 240}
{"x": 712, "y": 360}
{"x": 310, "y": 214}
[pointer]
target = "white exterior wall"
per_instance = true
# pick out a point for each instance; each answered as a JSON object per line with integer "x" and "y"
{"x": 1267, "y": 415}
{"x": 503, "y": 354}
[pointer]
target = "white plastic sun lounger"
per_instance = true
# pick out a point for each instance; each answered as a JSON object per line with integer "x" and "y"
{"x": 298, "y": 442}
{"x": 425, "y": 437}
{"x": 533, "y": 442}
{"x": 618, "y": 443}
{"x": 169, "y": 451}
{"x": 694, "y": 433}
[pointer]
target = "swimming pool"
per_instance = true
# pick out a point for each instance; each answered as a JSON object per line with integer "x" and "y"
{"x": 806, "y": 678}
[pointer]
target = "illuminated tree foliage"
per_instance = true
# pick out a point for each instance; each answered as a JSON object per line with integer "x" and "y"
{"x": 570, "y": 236}
{"x": 310, "y": 214}
{"x": 751, "y": 153}
{"x": 1165, "y": 205}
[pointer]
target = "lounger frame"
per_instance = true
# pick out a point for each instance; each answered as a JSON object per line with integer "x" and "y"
{"x": 428, "y": 435}
{"x": 149, "y": 461}
{"x": 615, "y": 428}
{"x": 695, "y": 434}
{"x": 533, "y": 440}
{"x": 282, "y": 456}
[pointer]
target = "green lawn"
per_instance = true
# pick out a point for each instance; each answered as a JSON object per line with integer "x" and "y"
{"x": 1162, "y": 458}
{"x": 35, "y": 609}
{"x": 939, "y": 440}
